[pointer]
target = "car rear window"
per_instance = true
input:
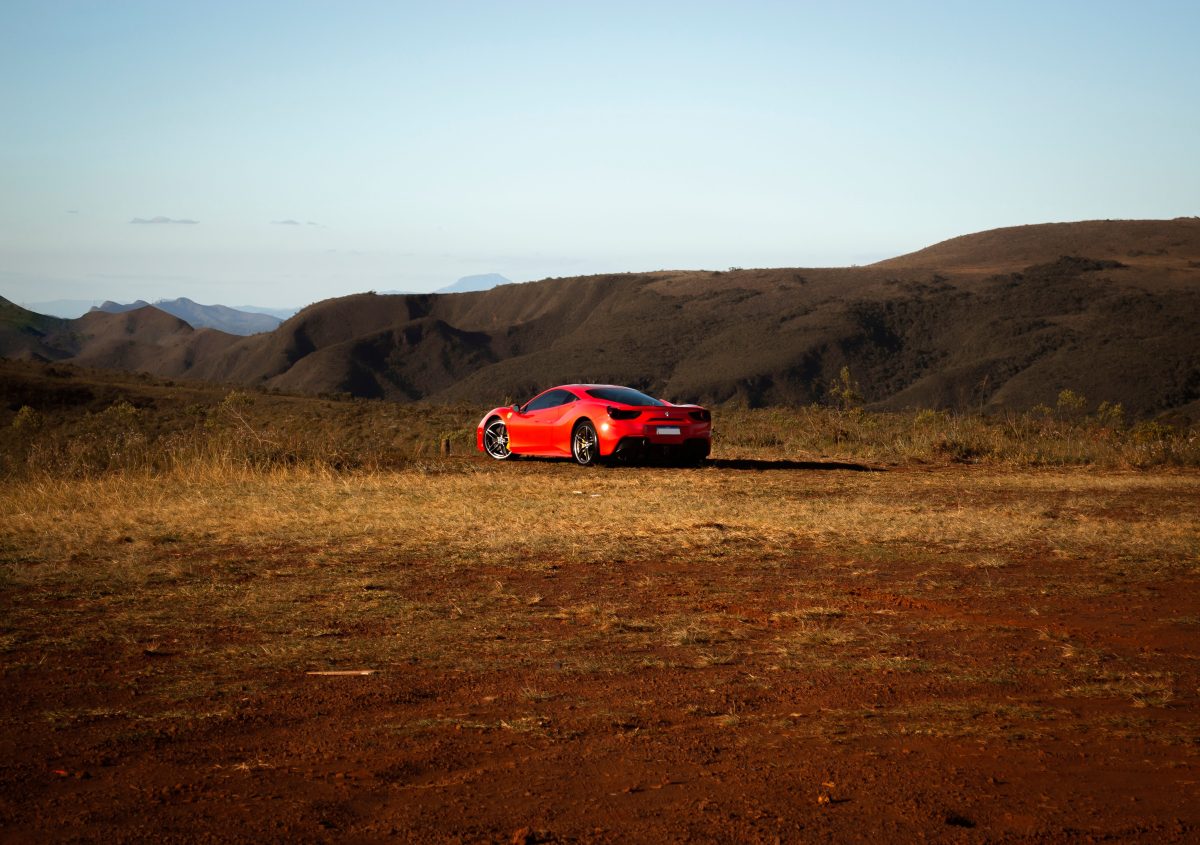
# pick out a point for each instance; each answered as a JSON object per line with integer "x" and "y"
{"x": 624, "y": 395}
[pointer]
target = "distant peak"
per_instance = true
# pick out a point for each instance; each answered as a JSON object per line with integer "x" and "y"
{"x": 483, "y": 281}
{"x": 117, "y": 307}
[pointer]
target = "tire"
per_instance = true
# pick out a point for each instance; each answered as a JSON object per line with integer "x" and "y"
{"x": 585, "y": 445}
{"x": 495, "y": 440}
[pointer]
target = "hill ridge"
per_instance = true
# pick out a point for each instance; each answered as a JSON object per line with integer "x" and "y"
{"x": 996, "y": 319}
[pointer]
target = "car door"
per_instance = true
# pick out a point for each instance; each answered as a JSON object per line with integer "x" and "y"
{"x": 539, "y": 422}
{"x": 558, "y": 425}
{"x": 525, "y": 432}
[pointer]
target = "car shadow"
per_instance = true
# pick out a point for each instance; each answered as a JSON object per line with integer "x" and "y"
{"x": 748, "y": 465}
{"x": 743, "y": 464}
{"x": 757, "y": 464}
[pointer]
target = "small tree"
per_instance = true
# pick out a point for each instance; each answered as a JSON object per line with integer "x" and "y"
{"x": 1111, "y": 415}
{"x": 1071, "y": 404}
{"x": 845, "y": 391}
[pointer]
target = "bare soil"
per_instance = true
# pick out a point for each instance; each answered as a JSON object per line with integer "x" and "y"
{"x": 717, "y": 683}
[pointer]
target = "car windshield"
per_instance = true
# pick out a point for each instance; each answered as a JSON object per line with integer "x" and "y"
{"x": 624, "y": 395}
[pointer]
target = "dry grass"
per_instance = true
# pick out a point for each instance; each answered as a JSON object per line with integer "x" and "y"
{"x": 460, "y": 565}
{"x": 239, "y": 565}
{"x": 464, "y": 514}
{"x": 1143, "y": 689}
{"x": 1042, "y": 437}
{"x": 84, "y": 423}
{"x": 542, "y": 603}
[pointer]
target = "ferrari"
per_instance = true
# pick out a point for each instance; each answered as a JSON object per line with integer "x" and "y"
{"x": 596, "y": 422}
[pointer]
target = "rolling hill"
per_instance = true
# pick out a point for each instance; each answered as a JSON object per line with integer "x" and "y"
{"x": 998, "y": 319}
{"x": 26, "y": 335}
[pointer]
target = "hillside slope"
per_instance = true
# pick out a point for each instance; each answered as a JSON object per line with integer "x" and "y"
{"x": 998, "y": 319}
{"x": 1149, "y": 243}
{"x": 27, "y": 336}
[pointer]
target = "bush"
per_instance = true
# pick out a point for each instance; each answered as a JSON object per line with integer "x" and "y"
{"x": 1040, "y": 437}
{"x": 27, "y": 421}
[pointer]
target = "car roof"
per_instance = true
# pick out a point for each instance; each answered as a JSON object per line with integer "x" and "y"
{"x": 584, "y": 387}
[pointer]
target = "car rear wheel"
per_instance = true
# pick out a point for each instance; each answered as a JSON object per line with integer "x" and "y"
{"x": 585, "y": 445}
{"x": 495, "y": 440}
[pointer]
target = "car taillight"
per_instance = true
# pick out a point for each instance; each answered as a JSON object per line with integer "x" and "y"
{"x": 701, "y": 415}
{"x": 618, "y": 414}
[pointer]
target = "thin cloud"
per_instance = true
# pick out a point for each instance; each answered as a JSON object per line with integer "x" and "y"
{"x": 161, "y": 219}
{"x": 291, "y": 222}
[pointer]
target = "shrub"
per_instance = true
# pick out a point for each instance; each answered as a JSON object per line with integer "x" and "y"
{"x": 845, "y": 391}
{"x": 27, "y": 421}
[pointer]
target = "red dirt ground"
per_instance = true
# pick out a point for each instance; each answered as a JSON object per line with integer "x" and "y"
{"x": 952, "y": 724}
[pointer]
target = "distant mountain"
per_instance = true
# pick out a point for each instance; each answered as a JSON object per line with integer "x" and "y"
{"x": 469, "y": 284}
{"x": 281, "y": 313}
{"x": 220, "y": 317}
{"x": 996, "y": 320}
{"x": 142, "y": 339}
{"x": 110, "y": 307}
{"x": 69, "y": 308}
{"x": 72, "y": 308}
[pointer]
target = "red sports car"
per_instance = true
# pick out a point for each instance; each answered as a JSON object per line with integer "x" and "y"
{"x": 591, "y": 422}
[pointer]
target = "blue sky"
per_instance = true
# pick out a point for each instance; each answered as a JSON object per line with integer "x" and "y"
{"x": 417, "y": 143}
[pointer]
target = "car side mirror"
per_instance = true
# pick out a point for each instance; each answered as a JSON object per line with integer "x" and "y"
{"x": 516, "y": 407}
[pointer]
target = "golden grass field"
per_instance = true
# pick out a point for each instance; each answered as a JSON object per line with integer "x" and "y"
{"x": 791, "y": 643}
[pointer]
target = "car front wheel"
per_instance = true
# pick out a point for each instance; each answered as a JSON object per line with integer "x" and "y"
{"x": 585, "y": 445}
{"x": 495, "y": 440}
